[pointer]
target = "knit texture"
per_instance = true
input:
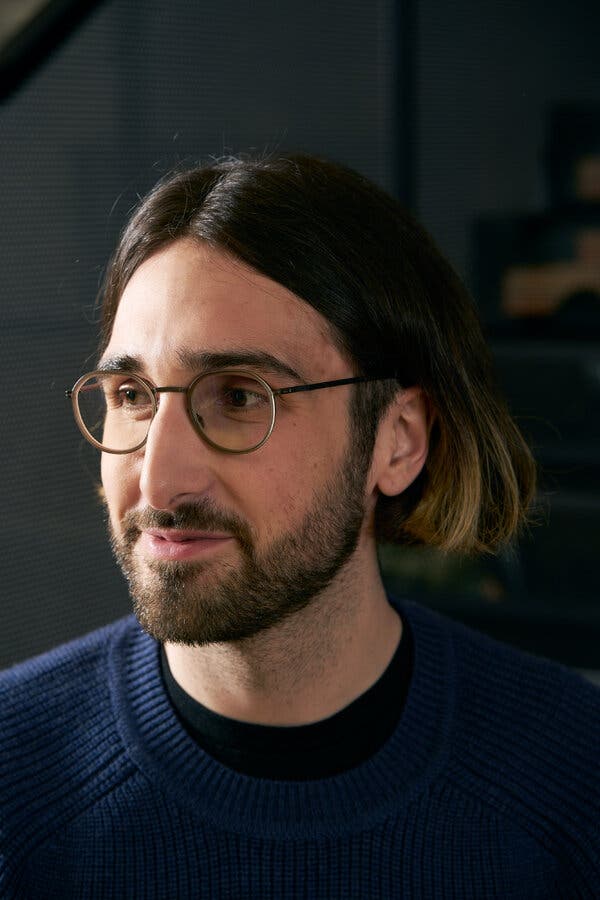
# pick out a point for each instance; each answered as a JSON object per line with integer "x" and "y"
{"x": 488, "y": 788}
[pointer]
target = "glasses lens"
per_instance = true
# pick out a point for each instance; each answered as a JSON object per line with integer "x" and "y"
{"x": 115, "y": 410}
{"x": 234, "y": 410}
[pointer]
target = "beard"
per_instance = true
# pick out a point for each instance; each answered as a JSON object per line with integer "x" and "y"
{"x": 215, "y": 601}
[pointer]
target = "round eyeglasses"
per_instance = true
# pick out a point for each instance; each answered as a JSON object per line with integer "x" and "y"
{"x": 231, "y": 410}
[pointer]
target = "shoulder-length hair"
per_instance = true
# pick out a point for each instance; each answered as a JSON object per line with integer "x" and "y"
{"x": 395, "y": 307}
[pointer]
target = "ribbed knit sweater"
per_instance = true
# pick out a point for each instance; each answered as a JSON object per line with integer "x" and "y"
{"x": 488, "y": 787}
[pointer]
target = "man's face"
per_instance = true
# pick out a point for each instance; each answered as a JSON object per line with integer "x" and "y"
{"x": 216, "y": 546}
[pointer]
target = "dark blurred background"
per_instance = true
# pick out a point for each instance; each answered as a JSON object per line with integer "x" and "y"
{"x": 483, "y": 117}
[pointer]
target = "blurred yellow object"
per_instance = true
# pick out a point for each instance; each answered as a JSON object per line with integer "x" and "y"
{"x": 541, "y": 290}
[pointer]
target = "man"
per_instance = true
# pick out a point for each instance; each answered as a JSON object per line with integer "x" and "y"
{"x": 288, "y": 372}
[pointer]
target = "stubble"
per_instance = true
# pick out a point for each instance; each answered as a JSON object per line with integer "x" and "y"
{"x": 223, "y": 600}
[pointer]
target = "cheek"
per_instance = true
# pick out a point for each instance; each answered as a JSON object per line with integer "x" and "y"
{"x": 119, "y": 484}
{"x": 285, "y": 485}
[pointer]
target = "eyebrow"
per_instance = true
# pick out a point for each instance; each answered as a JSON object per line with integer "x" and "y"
{"x": 206, "y": 360}
{"x": 122, "y": 363}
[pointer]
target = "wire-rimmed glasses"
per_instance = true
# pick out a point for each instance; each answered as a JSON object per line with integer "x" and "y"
{"x": 231, "y": 409}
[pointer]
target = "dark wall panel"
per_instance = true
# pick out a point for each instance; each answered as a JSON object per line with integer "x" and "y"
{"x": 487, "y": 74}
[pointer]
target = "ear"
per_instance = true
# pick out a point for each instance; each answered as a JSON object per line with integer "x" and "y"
{"x": 402, "y": 442}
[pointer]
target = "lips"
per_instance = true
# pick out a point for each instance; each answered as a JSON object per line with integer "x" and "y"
{"x": 184, "y": 536}
{"x": 175, "y": 544}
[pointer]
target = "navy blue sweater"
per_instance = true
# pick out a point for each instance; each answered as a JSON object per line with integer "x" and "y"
{"x": 488, "y": 787}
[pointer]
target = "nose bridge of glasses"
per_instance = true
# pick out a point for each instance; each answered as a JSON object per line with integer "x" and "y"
{"x": 196, "y": 414}
{"x": 169, "y": 389}
{"x": 166, "y": 389}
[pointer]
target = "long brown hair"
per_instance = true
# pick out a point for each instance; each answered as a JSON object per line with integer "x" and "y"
{"x": 395, "y": 307}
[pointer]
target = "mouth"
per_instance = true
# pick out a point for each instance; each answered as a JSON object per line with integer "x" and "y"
{"x": 171, "y": 543}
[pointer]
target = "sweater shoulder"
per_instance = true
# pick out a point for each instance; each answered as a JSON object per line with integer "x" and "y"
{"x": 58, "y": 697}
{"x": 525, "y": 745}
{"x": 60, "y": 747}
{"x": 32, "y": 692}
{"x": 494, "y": 685}
{"x": 501, "y": 687}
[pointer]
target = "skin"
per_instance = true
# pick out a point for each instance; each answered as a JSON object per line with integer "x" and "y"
{"x": 318, "y": 660}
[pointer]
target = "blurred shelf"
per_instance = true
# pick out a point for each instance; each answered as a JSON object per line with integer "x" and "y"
{"x": 571, "y": 640}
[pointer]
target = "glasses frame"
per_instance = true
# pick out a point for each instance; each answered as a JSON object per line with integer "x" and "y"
{"x": 72, "y": 395}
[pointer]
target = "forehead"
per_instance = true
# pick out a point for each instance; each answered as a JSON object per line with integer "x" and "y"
{"x": 190, "y": 298}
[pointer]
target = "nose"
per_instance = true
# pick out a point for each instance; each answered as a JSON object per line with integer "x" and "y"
{"x": 176, "y": 464}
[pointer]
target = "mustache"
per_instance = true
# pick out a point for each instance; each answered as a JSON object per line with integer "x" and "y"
{"x": 201, "y": 516}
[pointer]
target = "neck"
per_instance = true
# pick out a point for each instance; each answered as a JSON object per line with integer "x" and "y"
{"x": 308, "y": 667}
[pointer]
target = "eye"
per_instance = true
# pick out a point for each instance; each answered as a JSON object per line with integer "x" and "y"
{"x": 242, "y": 397}
{"x": 231, "y": 395}
{"x": 131, "y": 395}
{"x": 233, "y": 392}
{"x": 126, "y": 394}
